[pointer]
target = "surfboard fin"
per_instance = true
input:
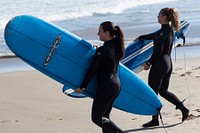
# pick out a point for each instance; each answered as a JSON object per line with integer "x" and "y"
{"x": 70, "y": 92}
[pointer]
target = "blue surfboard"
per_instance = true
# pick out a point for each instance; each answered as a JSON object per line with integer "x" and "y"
{"x": 66, "y": 58}
{"x": 139, "y": 52}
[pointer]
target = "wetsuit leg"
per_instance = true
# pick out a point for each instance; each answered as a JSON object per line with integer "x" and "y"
{"x": 155, "y": 78}
{"x": 107, "y": 115}
{"x": 164, "y": 90}
{"x": 102, "y": 106}
{"x": 159, "y": 81}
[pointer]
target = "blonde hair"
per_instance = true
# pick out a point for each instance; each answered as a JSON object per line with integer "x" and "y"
{"x": 172, "y": 15}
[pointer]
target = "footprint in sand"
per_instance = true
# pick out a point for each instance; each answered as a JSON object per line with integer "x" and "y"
{"x": 192, "y": 117}
{"x": 134, "y": 118}
{"x": 187, "y": 73}
{"x": 198, "y": 110}
{"x": 6, "y": 121}
{"x": 49, "y": 119}
{"x": 176, "y": 69}
{"x": 197, "y": 68}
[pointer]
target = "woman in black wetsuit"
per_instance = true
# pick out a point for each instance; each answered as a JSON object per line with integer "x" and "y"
{"x": 105, "y": 66}
{"x": 160, "y": 61}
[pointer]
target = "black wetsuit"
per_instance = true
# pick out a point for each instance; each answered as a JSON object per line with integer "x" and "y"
{"x": 161, "y": 69}
{"x": 105, "y": 65}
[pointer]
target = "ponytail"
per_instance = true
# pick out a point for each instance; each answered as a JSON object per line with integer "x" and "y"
{"x": 116, "y": 32}
{"x": 174, "y": 18}
{"x": 119, "y": 36}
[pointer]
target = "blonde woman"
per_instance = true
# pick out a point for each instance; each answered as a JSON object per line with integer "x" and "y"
{"x": 160, "y": 63}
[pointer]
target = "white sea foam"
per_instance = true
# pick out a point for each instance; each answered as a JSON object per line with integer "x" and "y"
{"x": 53, "y": 10}
{"x": 83, "y": 14}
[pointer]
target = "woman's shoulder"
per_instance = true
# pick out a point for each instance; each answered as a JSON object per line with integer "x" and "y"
{"x": 105, "y": 51}
{"x": 166, "y": 31}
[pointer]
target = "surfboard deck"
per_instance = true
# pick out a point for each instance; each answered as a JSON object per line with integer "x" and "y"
{"x": 139, "y": 52}
{"x": 66, "y": 58}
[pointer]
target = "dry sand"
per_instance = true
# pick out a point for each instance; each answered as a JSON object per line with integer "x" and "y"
{"x": 31, "y": 102}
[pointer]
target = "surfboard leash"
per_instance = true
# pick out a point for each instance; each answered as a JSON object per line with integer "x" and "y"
{"x": 163, "y": 125}
{"x": 188, "y": 87}
{"x": 185, "y": 65}
{"x": 160, "y": 115}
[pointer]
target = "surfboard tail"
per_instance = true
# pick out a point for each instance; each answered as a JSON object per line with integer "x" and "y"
{"x": 70, "y": 92}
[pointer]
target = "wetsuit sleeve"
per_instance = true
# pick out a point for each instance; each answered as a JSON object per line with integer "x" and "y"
{"x": 147, "y": 37}
{"x": 97, "y": 61}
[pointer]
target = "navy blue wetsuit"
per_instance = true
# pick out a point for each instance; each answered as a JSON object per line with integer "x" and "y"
{"x": 105, "y": 65}
{"x": 161, "y": 69}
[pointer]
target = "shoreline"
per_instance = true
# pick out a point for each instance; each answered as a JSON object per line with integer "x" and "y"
{"x": 12, "y": 63}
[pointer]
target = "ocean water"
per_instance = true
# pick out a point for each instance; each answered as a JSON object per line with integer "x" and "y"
{"x": 83, "y": 17}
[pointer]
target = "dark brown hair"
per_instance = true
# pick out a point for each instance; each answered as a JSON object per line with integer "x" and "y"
{"x": 118, "y": 35}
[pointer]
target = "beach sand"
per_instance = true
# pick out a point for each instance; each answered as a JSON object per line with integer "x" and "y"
{"x": 31, "y": 102}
